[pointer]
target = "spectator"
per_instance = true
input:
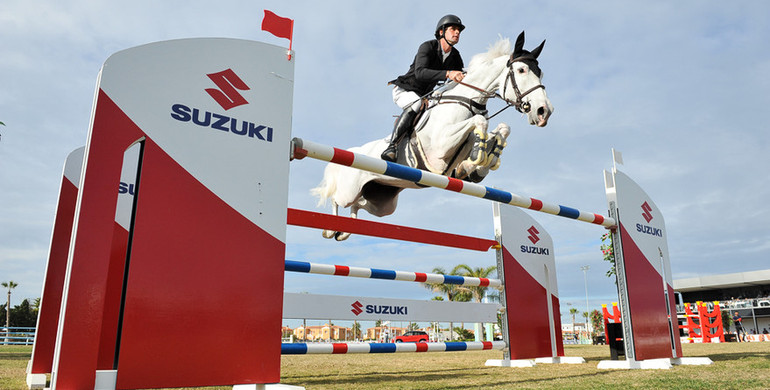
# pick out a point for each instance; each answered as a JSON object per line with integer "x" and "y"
{"x": 737, "y": 320}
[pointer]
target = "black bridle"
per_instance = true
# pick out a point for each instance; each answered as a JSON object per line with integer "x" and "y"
{"x": 519, "y": 103}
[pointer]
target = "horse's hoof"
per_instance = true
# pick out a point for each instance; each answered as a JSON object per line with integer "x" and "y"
{"x": 341, "y": 236}
{"x": 329, "y": 234}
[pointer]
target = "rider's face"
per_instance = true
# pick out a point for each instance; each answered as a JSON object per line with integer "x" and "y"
{"x": 452, "y": 35}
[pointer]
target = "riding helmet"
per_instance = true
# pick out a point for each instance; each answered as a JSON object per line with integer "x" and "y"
{"x": 448, "y": 20}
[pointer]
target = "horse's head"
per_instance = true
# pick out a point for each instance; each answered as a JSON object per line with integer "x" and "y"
{"x": 522, "y": 87}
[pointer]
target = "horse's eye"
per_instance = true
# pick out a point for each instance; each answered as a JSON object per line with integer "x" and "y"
{"x": 522, "y": 70}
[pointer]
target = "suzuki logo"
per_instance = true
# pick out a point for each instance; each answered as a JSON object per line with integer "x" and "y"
{"x": 533, "y": 235}
{"x": 646, "y": 214}
{"x": 226, "y": 95}
{"x": 357, "y": 308}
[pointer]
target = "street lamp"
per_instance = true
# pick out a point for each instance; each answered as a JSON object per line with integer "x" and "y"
{"x": 585, "y": 268}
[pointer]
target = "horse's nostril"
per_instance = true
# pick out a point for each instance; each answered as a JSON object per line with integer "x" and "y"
{"x": 541, "y": 111}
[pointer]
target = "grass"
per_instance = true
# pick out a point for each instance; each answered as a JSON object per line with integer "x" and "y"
{"x": 736, "y": 366}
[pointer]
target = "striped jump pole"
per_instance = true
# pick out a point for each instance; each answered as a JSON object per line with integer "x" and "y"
{"x": 374, "y": 273}
{"x": 303, "y": 148}
{"x": 344, "y": 348}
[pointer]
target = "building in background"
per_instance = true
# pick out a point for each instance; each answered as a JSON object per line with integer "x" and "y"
{"x": 748, "y": 293}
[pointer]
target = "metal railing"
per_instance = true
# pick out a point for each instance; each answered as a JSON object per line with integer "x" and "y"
{"x": 17, "y": 335}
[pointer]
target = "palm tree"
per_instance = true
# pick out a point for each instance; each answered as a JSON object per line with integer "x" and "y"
{"x": 573, "y": 311}
{"x": 477, "y": 292}
{"x": 10, "y": 285}
{"x": 452, "y": 291}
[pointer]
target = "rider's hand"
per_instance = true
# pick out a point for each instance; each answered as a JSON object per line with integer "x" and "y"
{"x": 455, "y": 75}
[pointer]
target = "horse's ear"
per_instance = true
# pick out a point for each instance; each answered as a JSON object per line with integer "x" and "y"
{"x": 537, "y": 50}
{"x": 519, "y": 46}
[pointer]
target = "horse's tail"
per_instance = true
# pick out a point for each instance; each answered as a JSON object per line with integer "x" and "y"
{"x": 328, "y": 185}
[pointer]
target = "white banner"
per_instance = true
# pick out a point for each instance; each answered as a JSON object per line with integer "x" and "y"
{"x": 337, "y": 307}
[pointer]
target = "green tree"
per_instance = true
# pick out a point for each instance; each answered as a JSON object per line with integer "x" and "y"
{"x": 573, "y": 311}
{"x": 477, "y": 292}
{"x": 597, "y": 322}
{"x": 608, "y": 253}
{"x": 464, "y": 334}
{"x": 450, "y": 290}
{"x": 726, "y": 320}
{"x": 24, "y": 314}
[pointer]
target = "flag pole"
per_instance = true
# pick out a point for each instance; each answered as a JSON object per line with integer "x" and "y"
{"x": 291, "y": 39}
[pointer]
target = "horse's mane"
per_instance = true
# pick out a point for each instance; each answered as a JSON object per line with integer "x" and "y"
{"x": 498, "y": 49}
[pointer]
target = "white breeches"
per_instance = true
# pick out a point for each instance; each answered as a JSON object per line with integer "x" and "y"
{"x": 404, "y": 99}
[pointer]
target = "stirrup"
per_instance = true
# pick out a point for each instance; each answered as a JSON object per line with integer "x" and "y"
{"x": 478, "y": 151}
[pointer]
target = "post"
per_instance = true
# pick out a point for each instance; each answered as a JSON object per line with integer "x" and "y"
{"x": 585, "y": 279}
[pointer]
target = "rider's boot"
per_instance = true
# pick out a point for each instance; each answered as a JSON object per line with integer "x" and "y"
{"x": 402, "y": 128}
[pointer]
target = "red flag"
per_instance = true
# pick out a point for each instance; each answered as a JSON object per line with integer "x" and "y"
{"x": 278, "y": 26}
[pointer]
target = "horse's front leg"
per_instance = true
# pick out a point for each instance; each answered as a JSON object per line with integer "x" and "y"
{"x": 478, "y": 124}
{"x": 496, "y": 141}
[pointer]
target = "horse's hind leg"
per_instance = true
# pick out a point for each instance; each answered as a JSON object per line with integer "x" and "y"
{"x": 331, "y": 233}
{"x": 342, "y": 236}
{"x": 339, "y": 236}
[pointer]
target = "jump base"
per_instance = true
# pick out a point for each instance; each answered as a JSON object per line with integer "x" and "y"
{"x": 510, "y": 363}
{"x": 560, "y": 360}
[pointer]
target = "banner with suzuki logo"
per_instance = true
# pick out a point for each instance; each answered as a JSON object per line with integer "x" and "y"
{"x": 324, "y": 307}
{"x": 211, "y": 121}
{"x": 529, "y": 275}
{"x": 645, "y": 283}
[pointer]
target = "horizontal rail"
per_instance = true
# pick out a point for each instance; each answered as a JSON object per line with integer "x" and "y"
{"x": 374, "y": 273}
{"x": 312, "y": 219}
{"x": 303, "y": 148}
{"x": 343, "y": 348}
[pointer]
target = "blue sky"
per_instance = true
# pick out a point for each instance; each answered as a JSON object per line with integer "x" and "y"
{"x": 679, "y": 87}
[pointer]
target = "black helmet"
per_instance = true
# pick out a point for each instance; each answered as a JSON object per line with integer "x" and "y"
{"x": 448, "y": 20}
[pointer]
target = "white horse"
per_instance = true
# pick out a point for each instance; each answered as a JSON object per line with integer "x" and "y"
{"x": 451, "y": 137}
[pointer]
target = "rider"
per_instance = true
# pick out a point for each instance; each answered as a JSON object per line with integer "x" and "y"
{"x": 436, "y": 60}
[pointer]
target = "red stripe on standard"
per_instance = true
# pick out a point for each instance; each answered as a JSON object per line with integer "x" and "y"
{"x": 455, "y": 185}
{"x": 343, "y": 157}
{"x": 339, "y": 348}
{"x": 342, "y": 270}
{"x": 536, "y": 204}
{"x": 422, "y": 347}
{"x": 483, "y": 282}
{"x": 487, "y": 344}
{"x": 420, "y": 277}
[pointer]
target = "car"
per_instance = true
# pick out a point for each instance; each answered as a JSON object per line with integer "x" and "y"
{"x": 763, "y": 303}
{"x": 413, "y": 336}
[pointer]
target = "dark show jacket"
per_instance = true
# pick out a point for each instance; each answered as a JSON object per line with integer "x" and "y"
{"x": 428, "y": 68}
